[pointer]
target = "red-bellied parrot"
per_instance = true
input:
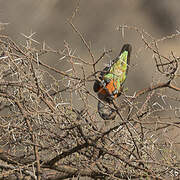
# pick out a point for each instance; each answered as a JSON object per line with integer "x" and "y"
{"x": 111, "y": 80}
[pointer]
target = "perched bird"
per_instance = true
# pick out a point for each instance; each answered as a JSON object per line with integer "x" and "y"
{"x": 110, "y": 83}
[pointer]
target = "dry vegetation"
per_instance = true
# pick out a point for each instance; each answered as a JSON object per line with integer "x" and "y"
{"x": 45, "y": 135}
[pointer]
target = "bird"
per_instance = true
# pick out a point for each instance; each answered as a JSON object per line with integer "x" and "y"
{"x": 109, "y": 84}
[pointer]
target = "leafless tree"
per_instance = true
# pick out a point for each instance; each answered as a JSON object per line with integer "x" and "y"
{"x": 46, "y": 135}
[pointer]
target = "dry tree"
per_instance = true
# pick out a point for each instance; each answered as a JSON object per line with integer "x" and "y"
{"x": 50, "y": 127}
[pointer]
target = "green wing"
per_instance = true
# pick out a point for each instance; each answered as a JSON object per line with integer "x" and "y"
{"x": 118, "y": 71}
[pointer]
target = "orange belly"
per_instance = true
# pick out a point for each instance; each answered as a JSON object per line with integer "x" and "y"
{"x": 111, "y": 86}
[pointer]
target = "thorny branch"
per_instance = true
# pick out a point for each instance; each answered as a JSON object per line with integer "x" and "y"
{"x": 50, "y": 128}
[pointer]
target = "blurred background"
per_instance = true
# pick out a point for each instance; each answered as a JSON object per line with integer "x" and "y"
{"x": 98, "y": 22}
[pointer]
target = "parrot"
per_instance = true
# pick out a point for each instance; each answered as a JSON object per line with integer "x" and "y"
{"x": 109, "y": 85}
